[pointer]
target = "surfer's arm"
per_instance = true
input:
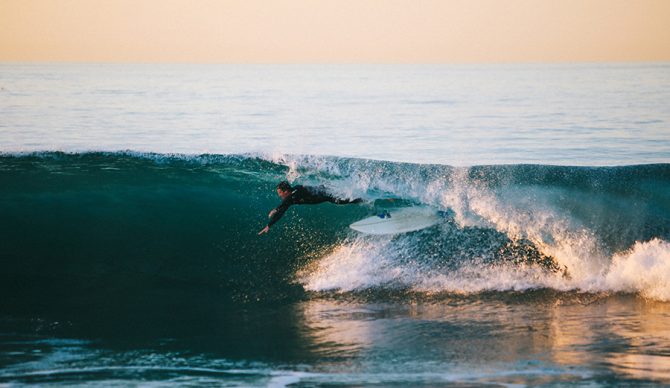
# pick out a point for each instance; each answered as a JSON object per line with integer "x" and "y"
{"x": 277, "y": 213}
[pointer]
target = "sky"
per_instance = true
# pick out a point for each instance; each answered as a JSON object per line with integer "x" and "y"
{"x": 335, "y": 31}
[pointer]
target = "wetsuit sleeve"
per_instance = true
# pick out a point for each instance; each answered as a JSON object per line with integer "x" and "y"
{"x": 280, "y": 210}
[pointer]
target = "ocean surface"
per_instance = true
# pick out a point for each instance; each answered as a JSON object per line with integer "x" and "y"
{"x": 131, "y": 197}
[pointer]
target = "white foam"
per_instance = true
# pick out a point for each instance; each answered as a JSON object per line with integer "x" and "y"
{"x": 644, "y": 269}
{"x": 362, "y": 264}
{"x": 528, "y": 214}
{"x": 352, "y": 266}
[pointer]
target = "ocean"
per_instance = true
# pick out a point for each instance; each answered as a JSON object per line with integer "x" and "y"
{"x": 131, "y": 197}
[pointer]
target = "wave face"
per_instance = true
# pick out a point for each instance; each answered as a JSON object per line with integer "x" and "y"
{"x": 97, "y": 225}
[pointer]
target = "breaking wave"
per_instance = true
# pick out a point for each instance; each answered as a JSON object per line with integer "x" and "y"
{"x": 124, "y": 223}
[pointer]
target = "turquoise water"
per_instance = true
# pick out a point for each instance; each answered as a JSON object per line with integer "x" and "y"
{"x": 144, "y": 267}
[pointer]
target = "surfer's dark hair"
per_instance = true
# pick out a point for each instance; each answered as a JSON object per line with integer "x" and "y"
{"x": 284, "y": 186}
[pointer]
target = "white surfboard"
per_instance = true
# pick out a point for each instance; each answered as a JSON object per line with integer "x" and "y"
{"x": 398, "y": 221}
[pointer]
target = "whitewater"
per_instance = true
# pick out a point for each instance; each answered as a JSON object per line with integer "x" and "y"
{"x": 131, "y": 197}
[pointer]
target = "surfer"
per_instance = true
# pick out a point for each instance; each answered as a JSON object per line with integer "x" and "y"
{"x": 301, "y": 195}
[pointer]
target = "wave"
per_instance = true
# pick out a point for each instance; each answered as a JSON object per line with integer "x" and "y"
{"x": 122, "y": 223}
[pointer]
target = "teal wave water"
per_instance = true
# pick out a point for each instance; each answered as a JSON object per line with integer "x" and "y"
{"x": 123, "y": 268}
{"x": 123, "y": 223}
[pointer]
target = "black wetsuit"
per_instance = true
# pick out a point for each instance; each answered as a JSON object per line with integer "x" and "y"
{"x": 301, "y": 195}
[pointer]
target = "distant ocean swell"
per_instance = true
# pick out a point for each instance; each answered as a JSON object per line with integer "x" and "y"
{"x": 126, "y": 224}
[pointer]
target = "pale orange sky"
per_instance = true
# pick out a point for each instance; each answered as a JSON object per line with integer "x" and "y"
{"x": 335, "y": 31}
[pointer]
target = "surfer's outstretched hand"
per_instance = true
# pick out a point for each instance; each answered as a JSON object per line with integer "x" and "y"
{"x": 264, "y": 230}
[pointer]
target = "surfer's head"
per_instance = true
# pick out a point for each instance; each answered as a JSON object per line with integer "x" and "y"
{"x": 284, "y": 189}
